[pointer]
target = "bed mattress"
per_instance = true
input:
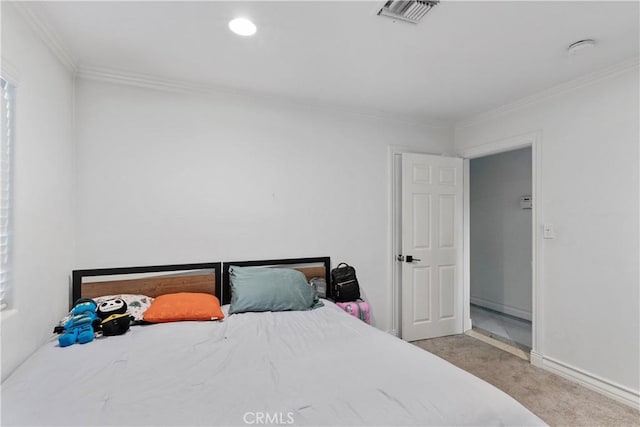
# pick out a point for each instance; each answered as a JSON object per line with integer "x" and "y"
{"x": 319, "y": 367}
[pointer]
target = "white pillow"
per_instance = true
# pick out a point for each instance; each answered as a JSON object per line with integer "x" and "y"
{"x": 136, "y": 304}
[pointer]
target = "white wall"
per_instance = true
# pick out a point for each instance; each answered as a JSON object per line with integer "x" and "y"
{"x": 501, "y": 232}
{"x": 589, "y": 178}
{"x": 43, "y": 184}
{"x": 169, "y": 178}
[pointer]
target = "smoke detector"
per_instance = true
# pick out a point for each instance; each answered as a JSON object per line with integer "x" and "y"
{"x": 407, "y": 10}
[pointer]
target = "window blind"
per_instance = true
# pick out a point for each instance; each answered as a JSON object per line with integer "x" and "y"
{"x": 8, "y": 123}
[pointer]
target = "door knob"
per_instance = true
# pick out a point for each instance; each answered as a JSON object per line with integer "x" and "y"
{"x": 409, "y": 258}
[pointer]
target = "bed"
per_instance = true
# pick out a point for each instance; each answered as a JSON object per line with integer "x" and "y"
{"x": 315, "y": 367}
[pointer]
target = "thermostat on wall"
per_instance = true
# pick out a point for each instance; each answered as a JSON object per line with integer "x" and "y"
{"x": 525, "y": 202}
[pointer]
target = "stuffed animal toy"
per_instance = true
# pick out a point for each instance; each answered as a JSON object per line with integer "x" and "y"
{"x": 79, "y": 328}
{"x": 111, "y": 306}
{"x": 114, "y": 317}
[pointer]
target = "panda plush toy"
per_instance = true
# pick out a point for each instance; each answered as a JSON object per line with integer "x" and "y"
{"x": 115, "y": 319}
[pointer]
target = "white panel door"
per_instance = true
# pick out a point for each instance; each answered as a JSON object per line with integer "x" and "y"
{"x": 431, "y": 246}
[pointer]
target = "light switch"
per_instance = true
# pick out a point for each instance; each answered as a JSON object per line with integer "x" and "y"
{"x": 548, "y": 232}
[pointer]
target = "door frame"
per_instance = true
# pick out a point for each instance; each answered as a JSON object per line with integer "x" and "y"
{"x": 533, "y": 140}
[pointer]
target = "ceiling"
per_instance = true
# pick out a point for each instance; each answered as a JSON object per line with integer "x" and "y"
{"x": 462, "y": 59}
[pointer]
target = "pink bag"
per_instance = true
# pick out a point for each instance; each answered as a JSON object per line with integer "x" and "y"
{"x": 359, "y": 309}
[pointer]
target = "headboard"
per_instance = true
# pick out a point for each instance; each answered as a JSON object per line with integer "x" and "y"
{"x": 310, "y": 267}
{"x": 200, "y": 277}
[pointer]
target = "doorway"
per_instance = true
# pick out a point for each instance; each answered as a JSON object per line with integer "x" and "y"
{"x": 500, "y": 225}
{"x": 532, "y": 140}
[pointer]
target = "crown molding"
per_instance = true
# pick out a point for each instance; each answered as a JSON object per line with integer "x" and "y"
{"x": 55, "y": 44}
{"x": 155, "y": 82}
{"x": 148, "y": 81}
{"x": 571, "y": 85}
{"x": 45, "y": 33}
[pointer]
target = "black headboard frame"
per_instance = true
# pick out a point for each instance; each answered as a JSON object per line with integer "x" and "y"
{"x": 78, "y": 275}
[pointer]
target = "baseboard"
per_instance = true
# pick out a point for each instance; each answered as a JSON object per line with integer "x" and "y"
{"x": 502, "y": 308}
{"x": 592, "y": 382}
{"x": 536, "y": 359}
{"x": 393, "y": 332}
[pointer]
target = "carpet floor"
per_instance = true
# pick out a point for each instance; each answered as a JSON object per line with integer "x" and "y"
{"x": 557, "y": 401}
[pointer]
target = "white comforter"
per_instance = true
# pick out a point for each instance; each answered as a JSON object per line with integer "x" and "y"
{"x": 321, "y": 367}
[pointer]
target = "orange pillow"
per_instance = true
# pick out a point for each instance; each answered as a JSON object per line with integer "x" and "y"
{"x": 184, "y": 306}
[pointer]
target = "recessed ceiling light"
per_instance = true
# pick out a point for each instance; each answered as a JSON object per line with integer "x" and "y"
{"x": 242, "y": 27}
{"x": 580, "y": 45}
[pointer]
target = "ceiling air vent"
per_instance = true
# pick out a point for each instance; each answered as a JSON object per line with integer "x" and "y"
{"x": 407, "y": 10}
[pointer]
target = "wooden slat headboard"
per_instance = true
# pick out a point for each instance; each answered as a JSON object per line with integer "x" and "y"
{"x": 310, "y": 267}
{"x": 201, "y": 277}
{"x": 193, "y": 278}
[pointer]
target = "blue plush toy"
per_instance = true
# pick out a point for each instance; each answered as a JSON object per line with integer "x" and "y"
{"x": 79, "y": 328}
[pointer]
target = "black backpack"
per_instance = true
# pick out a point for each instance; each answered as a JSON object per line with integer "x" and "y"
{"x": 344, "y": 283}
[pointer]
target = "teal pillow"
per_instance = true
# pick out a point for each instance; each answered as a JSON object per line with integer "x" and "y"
{"x": 270, "y": 289}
